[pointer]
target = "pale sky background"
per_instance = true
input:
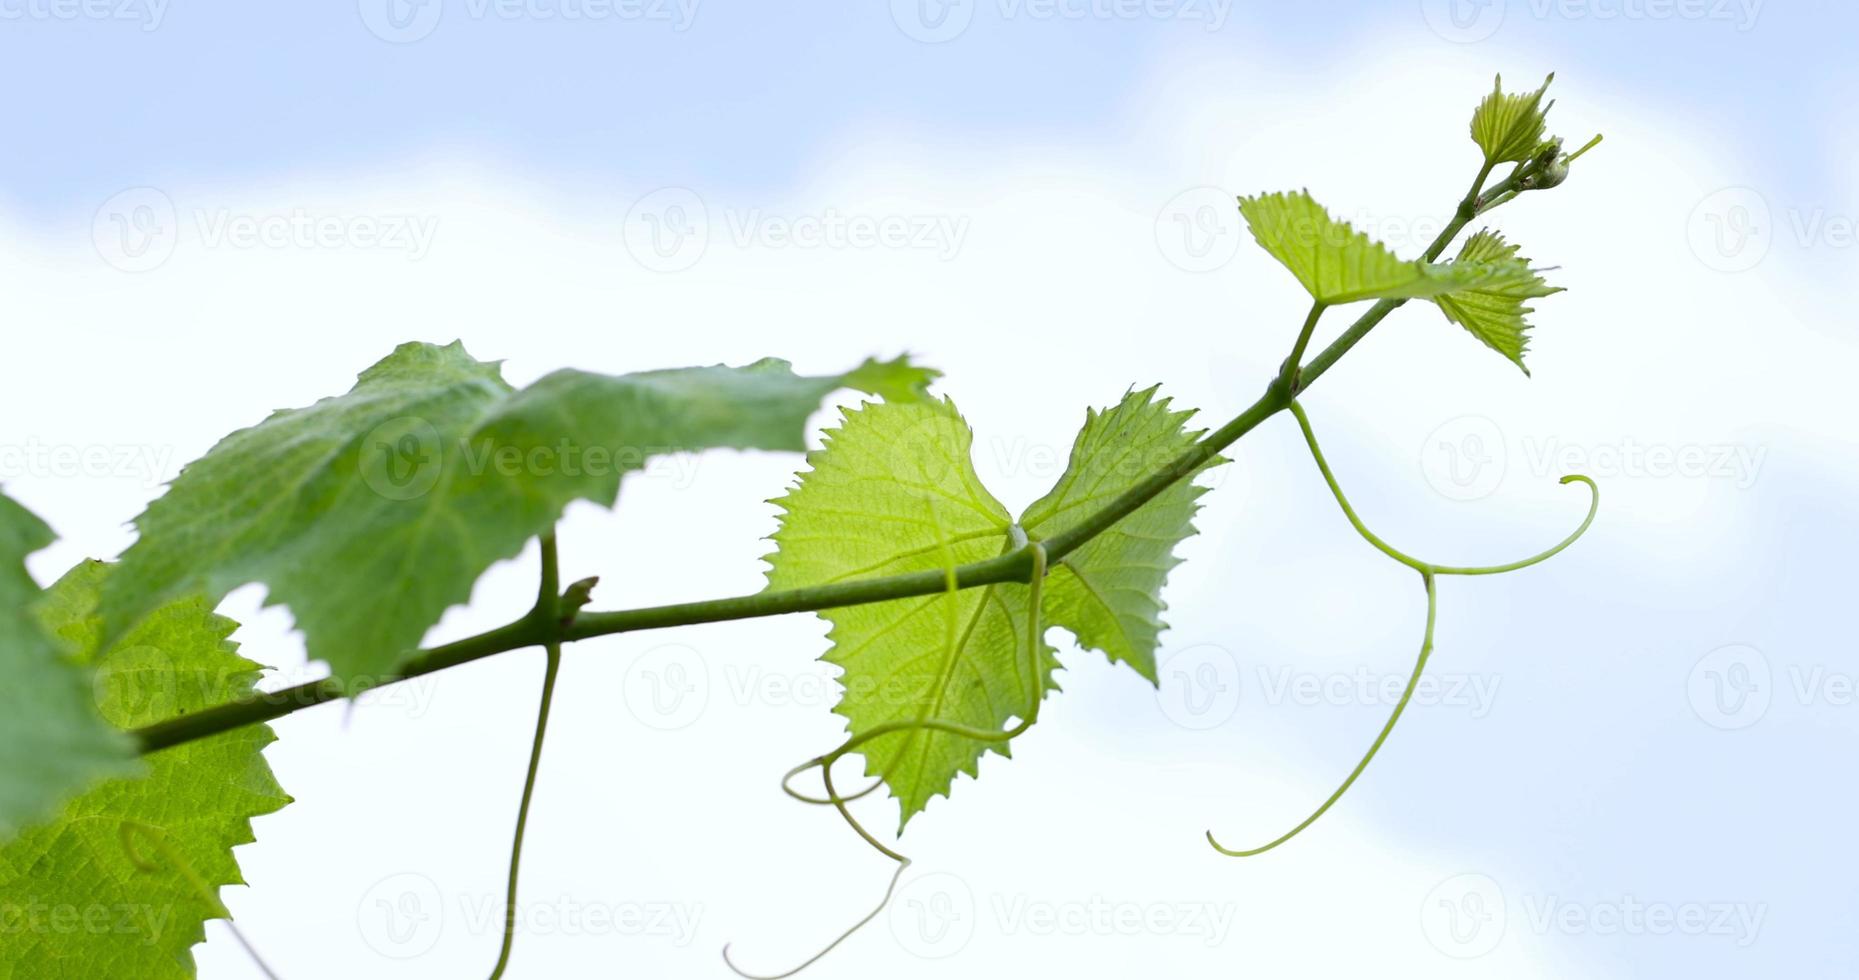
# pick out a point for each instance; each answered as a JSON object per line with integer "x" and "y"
{"x": 1635, "y": 763}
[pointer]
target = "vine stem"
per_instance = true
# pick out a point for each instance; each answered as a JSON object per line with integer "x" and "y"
{"x": 548, "y": 608}
{"x": 1015, "y": 566}
{"x": 1288, "y": 372}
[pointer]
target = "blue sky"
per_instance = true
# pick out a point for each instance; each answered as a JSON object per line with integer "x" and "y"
{"x": 1057, "y": 144}
{"x": 746, "y": 94}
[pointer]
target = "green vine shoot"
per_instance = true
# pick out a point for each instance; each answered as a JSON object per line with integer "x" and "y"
{"x": 132, "y": 731}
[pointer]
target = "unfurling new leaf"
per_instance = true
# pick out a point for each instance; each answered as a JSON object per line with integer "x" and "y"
{"x": 1509, "y": 127}
{"x": 1338, "y": 264}
{"x": 1495, "y": 314}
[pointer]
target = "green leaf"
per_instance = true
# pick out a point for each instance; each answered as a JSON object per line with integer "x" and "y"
{"x": 894, "y": 491}
{"x": 371, "y": 513}
{"x": 53, "y": 743}
{"x": 1108, "y": 592}
{"x": 79, "y": 903}
{"x": 1495, "y": 314}
{"x": 1509, "y": 128}
{"x": 1337, "y": 264}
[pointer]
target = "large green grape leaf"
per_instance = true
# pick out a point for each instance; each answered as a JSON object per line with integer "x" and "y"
{"x": 1495, "y": 314}
{"x": 893, "y": 491}
{"x": 1509, "y": 127}
{"x": 1108, "y": 591}
{"x": 53, "y": 743}
{"x": 1337, "y": 264}
{"x": 371, "y": 513}
{"x": 84, "y": 897}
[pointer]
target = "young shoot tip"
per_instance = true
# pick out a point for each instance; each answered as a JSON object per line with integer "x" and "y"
{"x": 1591, "y": 144}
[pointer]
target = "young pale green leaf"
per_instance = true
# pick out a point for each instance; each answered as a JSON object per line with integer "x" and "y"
{"x": 1337, "y": 264}
{"x": 53, "y": 742}
{"x": 371, "y": 513}
{"x": 1108, "y": 592}
{"x": 137, "y": 863}
{"x": 1495, "y": 314}
{"x": 892, "y": 491}
{"x": 1509, "y": 127}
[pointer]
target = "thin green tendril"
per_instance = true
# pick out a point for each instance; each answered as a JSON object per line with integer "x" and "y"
{"x": 1423, "y": 567}
{"x": 824, "y": 763}
{"x": 1428, "y": 572}
{"x": 548, "y": 603}
{"x": 1591, "y": 144}
{"x": 1413, "y": 680}
{"x": 158, "y": 837}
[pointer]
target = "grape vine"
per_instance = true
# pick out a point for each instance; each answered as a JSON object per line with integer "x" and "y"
{"x": 131, "y": 731}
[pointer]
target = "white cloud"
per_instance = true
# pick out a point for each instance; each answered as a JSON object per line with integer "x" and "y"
{"x": 1057, "y": 296}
